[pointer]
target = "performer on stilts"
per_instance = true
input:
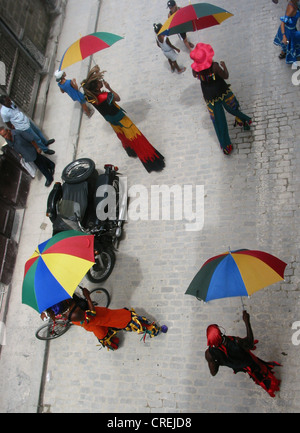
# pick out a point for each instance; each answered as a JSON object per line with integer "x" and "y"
{"x": 133, "y": 141}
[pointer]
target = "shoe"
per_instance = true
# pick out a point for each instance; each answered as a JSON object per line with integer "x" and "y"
{"x": 48, "y": 182}
{"x": 181, "y": 70}
{"x": 282, "y": 56}
{"x": 50, "y": 142}
{"x": 49, "y": 152}
{"x": 164, "y": 329}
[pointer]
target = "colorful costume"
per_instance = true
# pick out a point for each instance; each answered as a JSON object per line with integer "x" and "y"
{"x": 217, "y": 95}
{"x": 235, "y": 355}
{"x": 131, "y": 137}
{"x": 292, "y": 49}
{"x": 105, "y": 324}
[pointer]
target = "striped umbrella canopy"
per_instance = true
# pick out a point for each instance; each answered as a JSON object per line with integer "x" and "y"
{"x": 56, "y": 268}
{"x": 86, "y": 46}
{"x": 194, "y": 17}
{"x": 236, "y": 273}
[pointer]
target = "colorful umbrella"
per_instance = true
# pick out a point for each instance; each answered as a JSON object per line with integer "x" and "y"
{"x": 86, "y": 46}
{"x": 194, "y": 17}
{"x": 56, "y": 268}
{"x": 236, "y": 273}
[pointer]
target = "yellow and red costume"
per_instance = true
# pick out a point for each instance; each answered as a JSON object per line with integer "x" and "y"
{"x": 133, "y": 141}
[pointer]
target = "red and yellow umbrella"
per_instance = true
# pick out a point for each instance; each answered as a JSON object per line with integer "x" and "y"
{"x": 236, "y": 273}
{"x": 194, "y": 17}
{"x": 86, "y": 46}
{"x": 56, "y": 268}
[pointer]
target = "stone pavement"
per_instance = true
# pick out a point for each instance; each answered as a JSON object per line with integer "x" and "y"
{"x": 251, "y": 200}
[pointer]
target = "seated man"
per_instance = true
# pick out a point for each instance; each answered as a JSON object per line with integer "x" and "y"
{"x": 23, "y": 143}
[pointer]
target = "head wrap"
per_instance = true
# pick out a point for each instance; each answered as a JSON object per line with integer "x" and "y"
{"x": 214, "y": 335}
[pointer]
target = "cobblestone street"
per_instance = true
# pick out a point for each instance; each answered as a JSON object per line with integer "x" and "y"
{"x": 251, "y": 200}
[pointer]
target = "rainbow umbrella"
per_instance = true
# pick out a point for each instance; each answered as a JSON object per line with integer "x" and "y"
{"x": 56, "y": 268}
{"x": 86, "y": 46}
{"x": 194, "y": 17}
{"x": 236, "y": 273}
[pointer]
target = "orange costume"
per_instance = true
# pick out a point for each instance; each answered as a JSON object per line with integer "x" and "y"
{"x": 100, "y": 320}
{"x": 105, "y": 323}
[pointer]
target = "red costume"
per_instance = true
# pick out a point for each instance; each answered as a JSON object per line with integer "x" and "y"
{"x": 231, "y": 352}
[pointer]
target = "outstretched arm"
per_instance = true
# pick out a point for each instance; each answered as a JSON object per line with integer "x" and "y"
{"x": 116, "y": 96}
{"x": 86, "y": 294}
{"x": 248, "y": 341}
{"x": 221, "y": 71}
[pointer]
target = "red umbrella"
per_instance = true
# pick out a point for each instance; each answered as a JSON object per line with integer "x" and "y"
{"x": 86, "y": 46}
{"x": 194, "y": 17}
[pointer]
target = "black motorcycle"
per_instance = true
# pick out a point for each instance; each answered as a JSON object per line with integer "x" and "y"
{"x": 94, "y": 204}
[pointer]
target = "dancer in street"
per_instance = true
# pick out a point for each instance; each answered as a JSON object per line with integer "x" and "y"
{"x": 105, "y": 323}
{"x": 217, "y": 93}
{"x": 71, "y": 88}
{"x": 168, "y": 49}
{"x": 288, "y": 37}
{"x": 133, "y": 141}
{"x": 235, "y": 353}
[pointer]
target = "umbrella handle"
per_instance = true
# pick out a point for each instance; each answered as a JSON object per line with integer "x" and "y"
{"x": 242, "y": 303}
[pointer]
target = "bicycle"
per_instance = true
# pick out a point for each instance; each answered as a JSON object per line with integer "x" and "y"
{"x": 54, "y": 329}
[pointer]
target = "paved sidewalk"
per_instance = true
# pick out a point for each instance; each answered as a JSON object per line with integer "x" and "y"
{"x": 251, "y": 201}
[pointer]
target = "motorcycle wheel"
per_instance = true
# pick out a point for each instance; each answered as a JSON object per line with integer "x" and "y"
{"x": 103, "y": 267}
{"x": 78, "y": 171}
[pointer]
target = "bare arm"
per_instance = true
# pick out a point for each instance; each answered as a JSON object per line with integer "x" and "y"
{"x": 74, "y": 84}
{"x": 248, "y": 341}
{"x": 10, "y": 125}
{"x": 86, "y": 294}
{"x": 116, "y": 96}
{"x": 212, "y": 364}
{"x": 172, "y": 46}
{"x": 221, "y": 71}
{"x": 36, "y": 147}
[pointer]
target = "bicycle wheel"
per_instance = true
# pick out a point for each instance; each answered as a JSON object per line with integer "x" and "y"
{"x": 100, "y": 297}
{"x": 52, "y": 330}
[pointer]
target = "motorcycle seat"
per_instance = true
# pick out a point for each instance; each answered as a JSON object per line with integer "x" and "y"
{"x": 74, "y": 201}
